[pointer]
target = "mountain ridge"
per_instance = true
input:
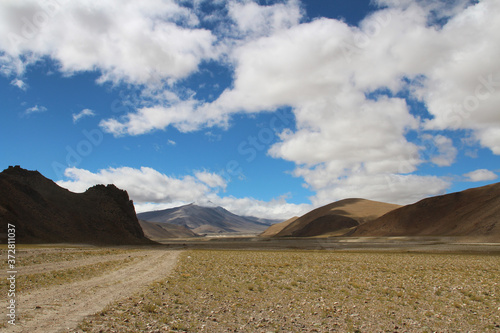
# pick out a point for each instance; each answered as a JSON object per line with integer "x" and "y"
{"x": 205, "y": 220}
{"x": 44, "y": 212}
{"x": 474, "y": 212}
{"x": 338, "y": 217}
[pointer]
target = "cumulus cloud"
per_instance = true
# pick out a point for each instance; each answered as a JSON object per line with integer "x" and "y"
{"x": 136, "y": 42}
{"x": 452, "y": 69}
{"x": 253, "y": 20}
{"x": 144, "y": 184}
{"x": 81, "y": 114}
{"x": 358, "y": 182}
{"x": 211, "y": 179}
{"x": 480, "y": 175}
{"x": 274, "y": 209}
{"x": 181, "y": 114}
{"x": 152, "y": 190}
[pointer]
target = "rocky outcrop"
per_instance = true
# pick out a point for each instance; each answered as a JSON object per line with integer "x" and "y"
{"x": 44, "y": 212}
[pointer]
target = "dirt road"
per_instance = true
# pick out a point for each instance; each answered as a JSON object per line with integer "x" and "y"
{"x": 62, "y": 307}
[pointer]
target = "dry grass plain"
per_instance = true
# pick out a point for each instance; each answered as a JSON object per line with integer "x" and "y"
{"x": 68, "y": 265}
{"x": 314, "y": 291}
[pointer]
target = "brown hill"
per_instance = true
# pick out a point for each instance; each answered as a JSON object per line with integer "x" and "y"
{"x": 44, "y": 212}
{"x": 474, "y": 212}
{"x": 276, "y": 228}
{"x": 336, "y": 218}
{"x": 159, "y": 230}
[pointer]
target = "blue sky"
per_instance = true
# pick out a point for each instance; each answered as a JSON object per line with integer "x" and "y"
{"x": 268, "y": 108}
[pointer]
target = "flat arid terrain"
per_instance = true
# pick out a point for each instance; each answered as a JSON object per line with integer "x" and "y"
{"x": 425, "y": 287}
{"x": 58, "y": 287}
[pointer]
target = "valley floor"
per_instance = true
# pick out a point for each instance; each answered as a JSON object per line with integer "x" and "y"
{"x": 418, "y": 288}
{"x": 432, "y": 244}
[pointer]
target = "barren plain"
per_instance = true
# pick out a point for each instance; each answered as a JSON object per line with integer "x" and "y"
{"x": 257, "y": 286}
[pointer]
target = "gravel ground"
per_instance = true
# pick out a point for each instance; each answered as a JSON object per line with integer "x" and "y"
{"x": 314, "y": 291}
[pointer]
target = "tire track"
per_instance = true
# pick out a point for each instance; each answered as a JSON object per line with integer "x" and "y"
{"x": 59, "y": 266}
{"x": 62, "y": 307}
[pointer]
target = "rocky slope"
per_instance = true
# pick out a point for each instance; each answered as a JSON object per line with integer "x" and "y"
{"x": 44, "y": 212}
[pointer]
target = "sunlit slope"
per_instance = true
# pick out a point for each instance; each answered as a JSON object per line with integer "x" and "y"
{"x": 203, "y": 220}
{"x": 341, "y": 215}
{"x": 473, "y": 212}
{"x": 276, "y": 228}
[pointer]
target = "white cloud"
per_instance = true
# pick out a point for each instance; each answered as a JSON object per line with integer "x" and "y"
{"x": 144, "y": 184}
{"x": 152, "y": 190}
{"x": 19, "y": 83}
{"x": 349, "y": 132}
{"x": 446, "y": 152}
{"x": 480, "y": 175}
{"x": 213, "y": 180}
{"x": 150, "y": 206}
{"x": 182, "y": 115}
{"x": 35, "y": 109}
{"x": 291, "y": 66}
{"x": 462, "y": 91}
{"x": 358, "y": 182}
{"x": 81, "y": 114}
{"x": 490, "y": 138}
{"x": 136, "y": 42}
{"x": 273, "y": 209}
{"x": 253, "y": 20}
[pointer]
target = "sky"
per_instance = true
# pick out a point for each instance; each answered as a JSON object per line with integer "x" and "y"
{"x": 267, "y": 108}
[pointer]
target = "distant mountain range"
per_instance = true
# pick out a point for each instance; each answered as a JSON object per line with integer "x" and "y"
{"x": 473, "y": 213}
{"x": 207, "y": 220}
{"x": 44, "y": 212}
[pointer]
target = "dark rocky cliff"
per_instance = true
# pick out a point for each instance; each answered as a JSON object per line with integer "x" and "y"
{"x": 44, "y": 212}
